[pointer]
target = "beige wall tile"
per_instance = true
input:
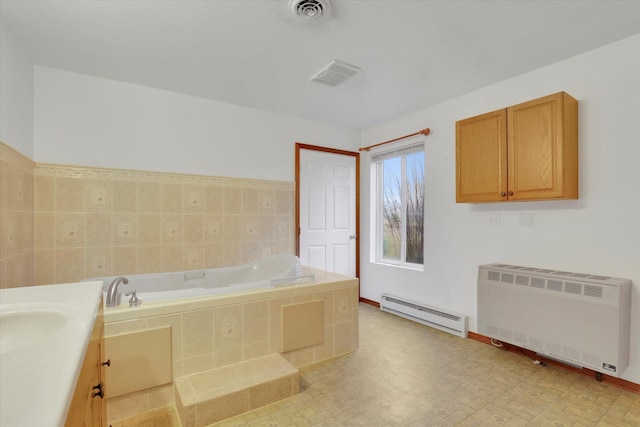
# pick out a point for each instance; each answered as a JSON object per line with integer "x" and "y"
{"x": 228, "y": 327}
{"x": 127, "y": 405}
{"x": 213, "y": 228}
{"x": 232, "y": 200}
{"x": 194, "y": 199}
{"x": 250, "y": 228}
{"x": 161, "y": 396}
{"x": 194, "y": 257}
{"x": 213, "y": 255}
{"x": 172, "y": 228}
{"x": 250, "y": 201}
{"x": 233, "y": 229}
{"x": 268, "y": 202}
{"x": 173, "y": 257}
{"x": 282, "y": 202}
{"x": 232, "y": 253}
{"x": 326, "y": 349}
{"x": 98, "y": 195}
{"x": 69, "y": 195}
{"x": 255, "y": 350}
{"x": 45, "y": 266}
{"x": 194, "y": 364}
{"x": 343, "y": 304}
{"x": 150, "y": 259}
{"x": 125, "y": 196}
{"x": 197, "y": 333}
{"x": 266, "y": 226}
{"x": 172, "y": 198}
{"x": 214, "y": 199}
{"x": 228, "y": 356}
{"x": 281, "y": 227}
{"x": 327, "y": 297}
{"x": 69, "y": 230}
{"x": 343, "y": 339}
{"x": 98, "y": 230}
{"x": 45, "y": 230}
{"x": 149, "y": 229}
{"x": 45, "y": 194}
{"x": 149, "y": 197}
{"x": 124, "y": 260}
{"x": 125, "y": 229}
{"x": 255, "y": 321}
{"x": 97, "y": 262}
{"x": 69, "y": 265}
{"x": 194, "y": 228}
{"x": 251, "y": 251}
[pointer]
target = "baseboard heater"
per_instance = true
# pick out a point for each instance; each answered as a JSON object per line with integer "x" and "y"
{"x": 580, "y": 319}
{"x": 447, "y": 321}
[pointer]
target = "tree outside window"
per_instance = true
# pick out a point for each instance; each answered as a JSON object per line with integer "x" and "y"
{"x": 401, "y": 207}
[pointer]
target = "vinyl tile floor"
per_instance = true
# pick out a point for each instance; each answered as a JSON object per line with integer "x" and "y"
{"x": 407, "y": 374}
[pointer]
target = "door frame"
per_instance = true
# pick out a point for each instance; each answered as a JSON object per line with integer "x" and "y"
{"x": 356, "y": 155}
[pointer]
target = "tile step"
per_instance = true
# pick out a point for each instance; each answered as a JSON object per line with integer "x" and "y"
{"x": 210, "y": 396}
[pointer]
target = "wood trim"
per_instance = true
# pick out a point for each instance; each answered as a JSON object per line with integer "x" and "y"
{"x": 606, "y": 379}
{"x": 301, "y": 146}
{"x": 425, "y": 131}
{"x": 370, "y": 302}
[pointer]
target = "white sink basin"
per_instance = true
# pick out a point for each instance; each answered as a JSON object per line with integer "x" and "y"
{"x": 25, "y": 325}
{"x": 44, "y": 334}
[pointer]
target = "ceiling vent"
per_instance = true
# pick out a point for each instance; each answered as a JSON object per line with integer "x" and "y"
{"x": 334, "y": 73}
{"x": 309, "y": 10}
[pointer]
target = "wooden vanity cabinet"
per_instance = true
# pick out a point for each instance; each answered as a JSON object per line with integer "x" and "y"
{"x": 87, "y": 407}
{"x": 525, "y": 152}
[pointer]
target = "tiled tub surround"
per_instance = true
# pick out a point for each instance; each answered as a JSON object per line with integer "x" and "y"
{"x": 93, "y": 222}
{"x": 16, "y": 218}
{"x": 223, "y": 330}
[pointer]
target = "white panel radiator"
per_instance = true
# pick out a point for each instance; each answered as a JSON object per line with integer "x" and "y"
{"x": 580, "y": 319}
{"x": 438, "y": 318}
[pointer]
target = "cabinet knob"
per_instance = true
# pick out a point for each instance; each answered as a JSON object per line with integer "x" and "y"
{"x": 510, "y": 193}
{"x": 503, "y": 194}
{"x": 98, "y": 391}
{"x": 107, "y": 363}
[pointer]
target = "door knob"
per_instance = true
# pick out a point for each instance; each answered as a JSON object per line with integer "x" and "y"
{"x": 352, "y": 237}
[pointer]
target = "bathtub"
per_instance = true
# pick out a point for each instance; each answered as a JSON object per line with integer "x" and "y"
{"x": 268, "y": 272}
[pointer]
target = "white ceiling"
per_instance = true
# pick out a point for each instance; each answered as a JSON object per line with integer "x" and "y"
{"x": 255, "y": 53}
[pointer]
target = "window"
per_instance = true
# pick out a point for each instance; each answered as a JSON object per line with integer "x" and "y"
{"x": 399, "y": 206}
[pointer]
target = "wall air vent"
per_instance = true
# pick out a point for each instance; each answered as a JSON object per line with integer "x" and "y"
{"x": 309, "y": 10}
{"x": 334, "y": 73}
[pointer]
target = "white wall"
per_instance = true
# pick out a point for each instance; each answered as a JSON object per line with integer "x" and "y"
{"x": 90, "y": 121}
{"x": 16, "y": 93}
{"x": 598, "y": 234}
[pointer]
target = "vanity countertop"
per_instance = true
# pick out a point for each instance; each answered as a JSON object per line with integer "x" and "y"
{"x": 44, "y": 335}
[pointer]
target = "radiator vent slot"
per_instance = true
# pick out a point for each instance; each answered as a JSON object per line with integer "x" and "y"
{"x": 554, "y": 285}
{"x": 445, "y": 320}
{"x": 573, "y": 288}
{"x": 593, "y": 291}
{"x": 537, "y": 282}
{"x": 507, "y": 278}
{"x": 579, "y": 319}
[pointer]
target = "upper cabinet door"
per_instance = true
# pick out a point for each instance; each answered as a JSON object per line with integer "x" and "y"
{"x": 542, "y": 149}
{"x": 525, "y": 152}
{"x": 481, "y": 158}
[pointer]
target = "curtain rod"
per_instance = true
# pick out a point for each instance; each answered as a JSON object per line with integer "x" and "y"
{"x": 425, "y": 132}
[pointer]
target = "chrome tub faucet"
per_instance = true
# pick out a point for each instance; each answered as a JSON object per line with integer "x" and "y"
{"x": 112, "y": 293}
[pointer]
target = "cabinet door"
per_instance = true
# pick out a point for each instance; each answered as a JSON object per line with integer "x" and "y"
{"x": 537, "y": 162}
{"x": 481, "y": 158}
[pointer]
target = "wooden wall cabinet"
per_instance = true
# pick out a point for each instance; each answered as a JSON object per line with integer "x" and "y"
{"x": 88, "y": 405}
{"x": 525, "y": 152}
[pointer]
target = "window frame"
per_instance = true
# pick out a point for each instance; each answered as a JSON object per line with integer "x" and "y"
{"x": 377, "y": 202}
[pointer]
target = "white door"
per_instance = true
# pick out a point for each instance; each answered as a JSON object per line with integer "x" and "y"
{"x": 328, "y": 211}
